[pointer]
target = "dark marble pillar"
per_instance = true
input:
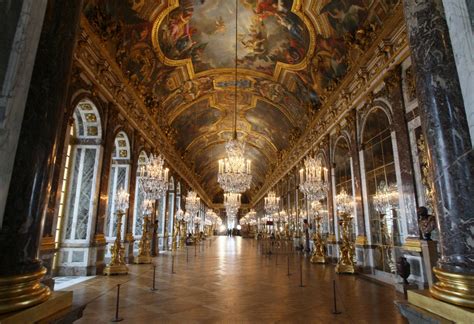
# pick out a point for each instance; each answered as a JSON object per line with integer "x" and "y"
{"x": 36, "y": 154}
{"x": 129, "y": 239}
{"x": 400, "y": 127}
{"x": 356, "y": 174}
{"x": 443, "y": 121}
{"x": 104, "y": 173}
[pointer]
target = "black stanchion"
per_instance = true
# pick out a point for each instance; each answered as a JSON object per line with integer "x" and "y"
{"x": 172, "y": 265}
{"x": 153, "y": 288}
{"x": 301, "y": 272}
{"x": 117, "y": 318}
{"x": 335, "y": 311}
{"x": 195, "y": 249}
{"x": 288, "y": 265}
{"x": 187, "y": 254}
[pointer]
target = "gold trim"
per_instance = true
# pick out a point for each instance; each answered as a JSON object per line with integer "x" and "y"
{"x": 22, "y": 291}
{"x": 361, "y": 240}
{"x": 47, "y": 243}
{"x": 412, "y": 244}
{"x": 453, "y": 313}
{"x": 331, "y": 239}
{"x": 454, "y": 288}
{"x": 99, "y": 239}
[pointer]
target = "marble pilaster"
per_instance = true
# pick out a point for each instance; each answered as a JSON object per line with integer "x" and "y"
{"x": 444, "y": 123}
{"x": 28, "y": 193}
{"x": 400, "y": 127}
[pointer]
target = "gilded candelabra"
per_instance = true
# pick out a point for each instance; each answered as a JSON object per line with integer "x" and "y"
{"x": 174, "y": 244}
{"x": 318, "y": 255}
{"x": 182, "y": 233}
{"x": 144, "y": 253}
{"x": 117, "y": 264}
{"x": 346, "y": 260}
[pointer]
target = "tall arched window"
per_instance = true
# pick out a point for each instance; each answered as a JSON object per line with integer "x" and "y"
{"x": 139, "y": 200}
{"x": 119, "y": 178}
{"x": 78, "y": 199}
{"x": 379, "y": 167}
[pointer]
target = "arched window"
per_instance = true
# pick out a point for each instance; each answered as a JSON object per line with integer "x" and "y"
{"x": 118, "y": 178}
{"x": 139, "y": 200}
{"x": 78, "y": 198}
{"x": 379, "y": 167}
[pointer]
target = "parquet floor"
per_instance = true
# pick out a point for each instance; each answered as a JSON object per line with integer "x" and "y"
{"x": 229, "y": 281}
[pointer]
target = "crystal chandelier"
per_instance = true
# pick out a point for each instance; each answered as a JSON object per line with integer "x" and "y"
{"x": 386, "y": 197}
{"x": 234, "y": 173}
{"x": 272, "y": 203}
{"x": 232, "y": 200}
{"x": 192, "y": 203}
{"x": 313, "y": 184}
{"x": 153, "y": 177}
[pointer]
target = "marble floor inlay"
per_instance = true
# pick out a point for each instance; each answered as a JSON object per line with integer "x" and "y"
{"x": 229, "y": 281}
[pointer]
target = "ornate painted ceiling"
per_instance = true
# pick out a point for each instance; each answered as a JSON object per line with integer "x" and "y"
{"x": 180, "y": 57}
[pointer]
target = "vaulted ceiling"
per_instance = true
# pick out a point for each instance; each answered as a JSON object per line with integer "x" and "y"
{"x": 180, "y": 57}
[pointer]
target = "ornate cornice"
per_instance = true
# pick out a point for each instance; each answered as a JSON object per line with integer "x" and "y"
{"x": 94, "y": 60}
{"x": 388, "y": 49}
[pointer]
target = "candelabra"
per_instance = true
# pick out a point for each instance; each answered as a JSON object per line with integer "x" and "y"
{"x": 144, "y": 253}
{"x": 313, "y": 179}
{"x": 385, "y": 199}
{"x": 319, "y": 254}
{"x": 117, "y": 263}
{"x": 345, "y": 263}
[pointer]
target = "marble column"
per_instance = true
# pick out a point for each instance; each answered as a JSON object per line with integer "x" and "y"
{"x": 20, "y": 268}
{"x": 352, "y": 126}
{"x": 444, "y": 123}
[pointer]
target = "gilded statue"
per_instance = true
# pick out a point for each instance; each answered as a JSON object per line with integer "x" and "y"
{"x": 426, "y": 223}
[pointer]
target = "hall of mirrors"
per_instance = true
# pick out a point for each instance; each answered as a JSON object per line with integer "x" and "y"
{"x": 146, "y": 141}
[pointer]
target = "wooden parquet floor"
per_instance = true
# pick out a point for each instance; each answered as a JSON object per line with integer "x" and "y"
{"x": 229, "y": 281}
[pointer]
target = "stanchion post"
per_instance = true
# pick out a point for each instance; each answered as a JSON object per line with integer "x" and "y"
{"x": 172, "y": 264}
{"x": 195, "y": 249}
{"x": 288, "y": 257}
{"x": 301, "y": 272}
{"x": 117, "y": 318}
{"x": 335, "y": 311}
{"x": 154, "y": 274}
{"x": 276, "y": 259}
{"x": 187, "y": 254}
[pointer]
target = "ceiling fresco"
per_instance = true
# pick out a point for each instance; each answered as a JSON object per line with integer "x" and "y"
{"x": 202, "y": 34}
{"x": 180, "y": 54}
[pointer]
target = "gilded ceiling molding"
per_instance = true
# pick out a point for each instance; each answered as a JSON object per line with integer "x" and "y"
{"x": 94, "y": 59}
{"x": 388, "y": 49}
{"x": 213, "y": 103}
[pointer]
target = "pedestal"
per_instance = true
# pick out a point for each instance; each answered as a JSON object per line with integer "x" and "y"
{"x": 430, "y": 257}
{"x": 422, "y": 307}
{"x": 41, "y": 313}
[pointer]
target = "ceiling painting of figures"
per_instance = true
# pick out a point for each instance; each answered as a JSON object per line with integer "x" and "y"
{"x": 204, "y": 32}
{"x": 179, "y": 55}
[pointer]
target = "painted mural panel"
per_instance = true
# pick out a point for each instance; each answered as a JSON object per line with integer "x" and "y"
{"x": 204, "y": 31}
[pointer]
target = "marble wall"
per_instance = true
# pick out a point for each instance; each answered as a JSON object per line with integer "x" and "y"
{"x": 461, "y": 32}
{"x": 17, "y": 67}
